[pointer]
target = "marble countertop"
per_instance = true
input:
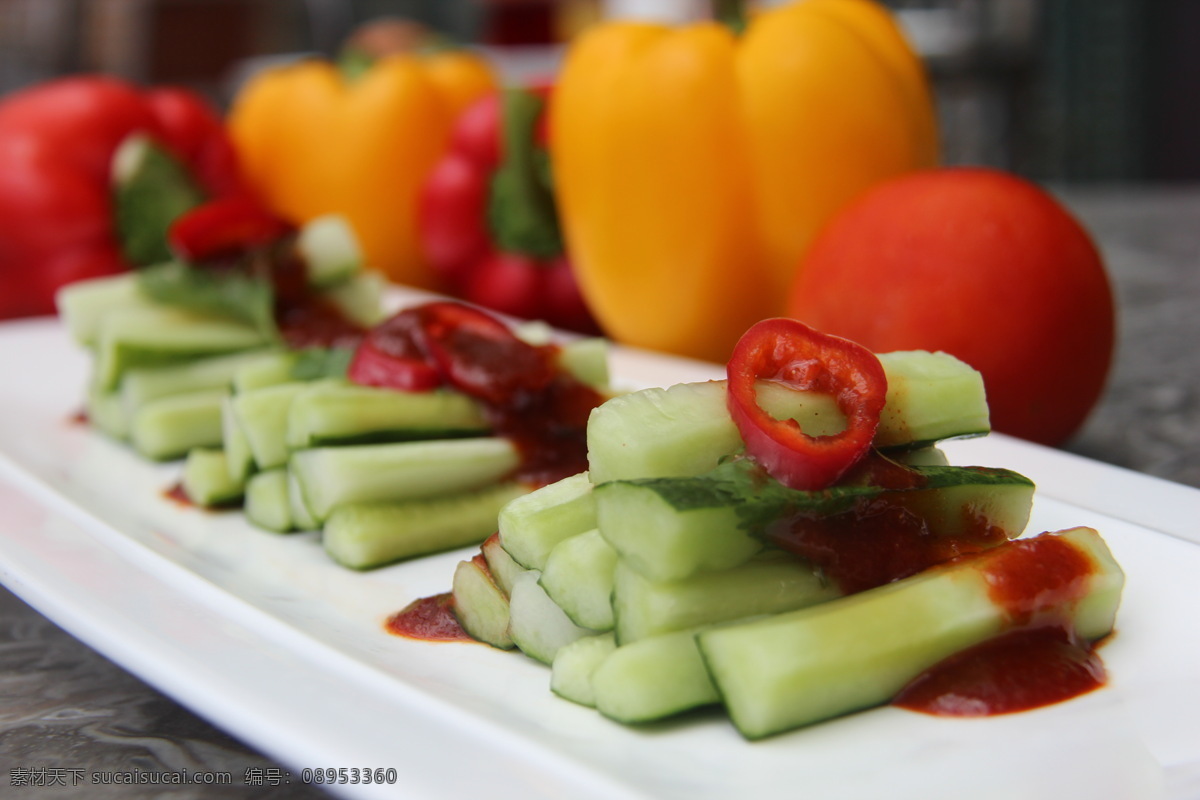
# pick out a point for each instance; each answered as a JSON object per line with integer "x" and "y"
{"x": 64, "y": 707}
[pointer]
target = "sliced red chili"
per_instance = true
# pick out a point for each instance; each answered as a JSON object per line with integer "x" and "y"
{"x": 480, "y": 356}
{"x": 224, "y": 228}
{"x": 392, "y": 355}
{"x": 792, "y": 353}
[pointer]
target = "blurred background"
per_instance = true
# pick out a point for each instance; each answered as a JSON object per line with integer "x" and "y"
{"x": 1105, "y": 89}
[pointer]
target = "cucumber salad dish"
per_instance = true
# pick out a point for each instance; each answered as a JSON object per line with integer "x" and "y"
{"x": 788, "y": 544}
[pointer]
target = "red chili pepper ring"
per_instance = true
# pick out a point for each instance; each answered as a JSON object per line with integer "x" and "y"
{"x": 792, "y": 353}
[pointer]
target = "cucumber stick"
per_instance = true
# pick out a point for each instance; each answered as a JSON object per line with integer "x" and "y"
{"x": 531, "y": 526}
{"x": 169, "y": 427}
{"x": 267, "y": 504}
{"x": 856, "y": 652}
{"x": 262, "y": 416}
{"x": 652, "y": 678}
{"x": 83, "y": 306}
{"x": 574, "y": 664}
{"x": 339, "y": 412}
{"x": 141, "y": 385}
{"x": 931, "y": 396}
{"x": 239, "y": 458}
{"x": 769, "y": 583}
{"x": 160, "y": 335}
{"x": 537, "y": 625}
{"x": 503, "y": 569}
{"x": 369, "y": 535}
{"x": 330, "y": 250}
{"x": 330, "y": 477}
{"x": 670, "y": 528}
{"x": 686, "y": 429}
{"x": 578, "y": 577}
{"x": 206, "y": 479}
{"x": 302, "y": 518}
{"x": 480, "y": 604}
{"x": 106, "y": 412}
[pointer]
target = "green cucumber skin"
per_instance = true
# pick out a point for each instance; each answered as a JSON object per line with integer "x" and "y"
{"x": 480, "y": 605}
{"x": 652, "y": 679}
{"x": 770, "y": 583}
{"x": 667, "y": 543}
{"x": 531, "y": 527}
{"x": 369, "y": 535}
{"x": 579, "y": 576}
{"x": 330, "y": 477}
{"x": 857, "y": 652}
{"x": 672, "y": 528}
{"x": 574, "y": 664}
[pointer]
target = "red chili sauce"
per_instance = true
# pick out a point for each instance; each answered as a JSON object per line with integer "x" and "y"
{"x": 176, "y": 494}
{"x": 430, "y": 619}
{"x": 527, "y": 397}
{"x": 883, "y": 538}
{"x": 304, "y": 318}
{"x": 1037, "y": 663}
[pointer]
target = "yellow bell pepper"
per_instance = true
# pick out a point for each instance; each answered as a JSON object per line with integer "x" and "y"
{"x": 314, "y": 143}
{"x": 693, "y": 166}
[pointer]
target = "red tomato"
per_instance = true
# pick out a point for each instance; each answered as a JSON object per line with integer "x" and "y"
{"x": 983, "y": 265}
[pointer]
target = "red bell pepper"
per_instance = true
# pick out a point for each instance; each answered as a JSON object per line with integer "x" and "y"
{"x": 57, "y": 141}
{"x": 794, "y": 354}
{"x": 487, "y": 220}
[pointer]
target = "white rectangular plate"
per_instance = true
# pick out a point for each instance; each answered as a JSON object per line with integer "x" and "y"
{"x": 263, "y": 635}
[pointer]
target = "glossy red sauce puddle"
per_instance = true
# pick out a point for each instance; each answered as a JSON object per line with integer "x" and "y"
{"x": 1016, "y": 671}
{"x": 881, "y": 539}
{"x": 430, "y": 619}
{"x": 177, "y": 494}
{"x": 306, "y": 319}
{"x": 1040, "y": 661}
{"x": 527, "y": 397}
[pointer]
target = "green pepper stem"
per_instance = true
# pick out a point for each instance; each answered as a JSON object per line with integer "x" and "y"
{"x": 731, "y": 13}
{"x": 521, "y": 207}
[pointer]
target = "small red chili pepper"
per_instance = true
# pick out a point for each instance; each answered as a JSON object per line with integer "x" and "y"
{"x": 801, "y": 358}
{"x": 392, "y": 356}
{"x": 480, "y": 356}
{"x": 224, "y": 228}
